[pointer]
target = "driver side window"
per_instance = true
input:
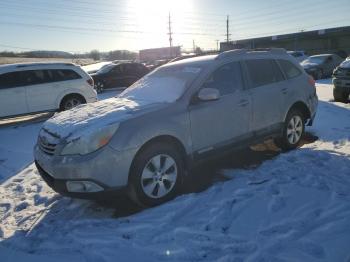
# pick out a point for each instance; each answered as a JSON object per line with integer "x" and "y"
{"x": 117, "y": 70}
{"x": 227, "y": 79}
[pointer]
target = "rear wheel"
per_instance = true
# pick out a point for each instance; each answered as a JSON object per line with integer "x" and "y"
{"x": 99, "y": 86}
{"x": 293, "y": 130}
{"x": 340, "y": 95}
{"x": 156, "y": 175}
{"x": 71, "y": 101}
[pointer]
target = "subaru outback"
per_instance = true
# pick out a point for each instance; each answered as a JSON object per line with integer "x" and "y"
{"x": 145, "y": 141}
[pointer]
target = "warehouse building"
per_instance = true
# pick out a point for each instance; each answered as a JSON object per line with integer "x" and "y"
{"x": 332, "y": 40}
{"x": 154, "y": 54}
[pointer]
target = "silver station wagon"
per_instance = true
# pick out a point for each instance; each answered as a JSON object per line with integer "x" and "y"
{"x": 144, "y": 142}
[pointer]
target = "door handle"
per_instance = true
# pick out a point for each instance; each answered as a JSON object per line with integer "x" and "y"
{"x": 285, "y": 90}
{"x": 243, "y": 102}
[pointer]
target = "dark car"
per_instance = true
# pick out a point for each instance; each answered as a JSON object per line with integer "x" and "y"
{"x": 118, "y": 75}
{"x": 341, "y": 81}
{"x": 321, "y": 66}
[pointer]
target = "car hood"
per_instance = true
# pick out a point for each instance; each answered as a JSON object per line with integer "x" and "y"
{"x": 95, "y": 75}
{"x": 345, "y": 64}
{"x": 74, "y": 123}
{"x": 309, "y": 65}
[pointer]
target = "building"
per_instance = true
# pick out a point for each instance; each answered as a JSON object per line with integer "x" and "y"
{"x": 332, "y": 40}
{"x": 148, "y": 55}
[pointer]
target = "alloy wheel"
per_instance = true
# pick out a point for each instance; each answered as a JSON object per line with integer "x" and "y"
{"x": 295, "y": 129}
{"x": 159, "y": 176}
{"x": 70, "y": 103}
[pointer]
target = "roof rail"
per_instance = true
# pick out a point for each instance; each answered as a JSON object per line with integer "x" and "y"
{"x": 233, "y": 52}
{"x": 43, "y": 64}
{"x": 272, "y": 50}
{"x": 230, "y": 53}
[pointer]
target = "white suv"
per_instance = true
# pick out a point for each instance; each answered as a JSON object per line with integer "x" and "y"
{"x": 38, "y": 87}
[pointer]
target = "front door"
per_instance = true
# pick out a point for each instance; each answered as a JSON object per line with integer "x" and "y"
{"x": 221, "y": 122}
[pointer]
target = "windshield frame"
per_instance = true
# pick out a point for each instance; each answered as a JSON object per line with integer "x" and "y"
{"x": 103, "y": 68}
{"x": 188, "y": 83}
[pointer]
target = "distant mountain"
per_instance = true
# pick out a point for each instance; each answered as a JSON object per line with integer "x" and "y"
{"x": 47, "y": 54}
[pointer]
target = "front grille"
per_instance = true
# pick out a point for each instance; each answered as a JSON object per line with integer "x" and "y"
{"x": 46, "y": 147}
{"x": 342, "y": 72}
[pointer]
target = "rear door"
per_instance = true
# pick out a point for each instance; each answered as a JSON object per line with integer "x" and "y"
{"x": 41, "y": 92}
{"x": 12, "y": 95}
{"x": 131, "y": 74}
{"x": 116, "y": 76}
{"x": 218, "y": 123}
{"x": 264, "y": 77}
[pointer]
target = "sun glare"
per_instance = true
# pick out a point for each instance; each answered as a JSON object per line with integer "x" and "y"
{"x": 151, "y": 19}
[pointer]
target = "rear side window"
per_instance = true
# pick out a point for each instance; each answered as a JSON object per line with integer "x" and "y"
{"x": 290, "y": 70}
{"x": 34, "y": 77}
{"x": 227, "y": 79}
{"x": 263, "y": 72}
{"x": 64, "y": 75}
{"x": 10, "y": 80}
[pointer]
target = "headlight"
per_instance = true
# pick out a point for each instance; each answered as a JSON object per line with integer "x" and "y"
{"x": 91, "y": 141}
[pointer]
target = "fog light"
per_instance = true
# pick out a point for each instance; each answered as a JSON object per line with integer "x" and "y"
{"x": 83, "y": 187}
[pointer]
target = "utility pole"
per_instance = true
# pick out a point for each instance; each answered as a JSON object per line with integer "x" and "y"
{"x": 217, "y": 45}
{"x": 194, "y": 47}
{"x": 170, "y": 36}
{"x": 228, "y": 29}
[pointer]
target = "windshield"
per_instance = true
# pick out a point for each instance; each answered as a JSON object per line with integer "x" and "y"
{"x": 315, "y": 60}
{"x": 163, "y": 85}
{"x": 105, "y": 69}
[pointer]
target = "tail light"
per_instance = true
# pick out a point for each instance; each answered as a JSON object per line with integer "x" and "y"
{"x": 312, "y": 81}
{"x": 90, "y": 81}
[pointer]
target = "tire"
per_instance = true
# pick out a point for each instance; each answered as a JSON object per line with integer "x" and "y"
{"x": 156, "y": 175}
{"x": 71, "y": 101}
{"x": 319, "y": 74}
{"x": 340, "y": 95}
{"x": 293, "y": 131}
{"x": 99, "y": 86}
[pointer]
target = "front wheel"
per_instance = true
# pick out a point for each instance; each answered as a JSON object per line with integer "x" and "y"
{"x": 156, "y": 175}
{"x": 340, "y": 96}
{"x": 99, "y": 86}
{"x": 293, "y": 131}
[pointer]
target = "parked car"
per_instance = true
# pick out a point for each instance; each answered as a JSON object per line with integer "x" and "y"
{"x": 298, "y": 55}
{"x": 36, "y": 87}
{"x": 145, "y": 140}
{"x": 93, "y": 68}
{"x": 321, "y": 66}
{"x": 341, "y": 81}
{"x": 118, "y": 75}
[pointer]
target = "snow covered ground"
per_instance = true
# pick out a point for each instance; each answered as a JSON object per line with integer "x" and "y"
{"x": 292, "y": 207}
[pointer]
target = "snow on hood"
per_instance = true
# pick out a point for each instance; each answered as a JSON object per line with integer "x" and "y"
{"x": 78, "y": 121}
{"x": 345, "y": 64}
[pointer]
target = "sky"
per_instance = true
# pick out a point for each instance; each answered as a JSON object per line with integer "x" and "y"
{"x": 82, "y": 25}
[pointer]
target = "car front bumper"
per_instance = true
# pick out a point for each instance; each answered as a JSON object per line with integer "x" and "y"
{"x": 85, "y": 176}
{"x": 340, "y": 83}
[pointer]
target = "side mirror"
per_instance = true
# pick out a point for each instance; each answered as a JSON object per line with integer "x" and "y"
{"x": 208, "y": 94}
